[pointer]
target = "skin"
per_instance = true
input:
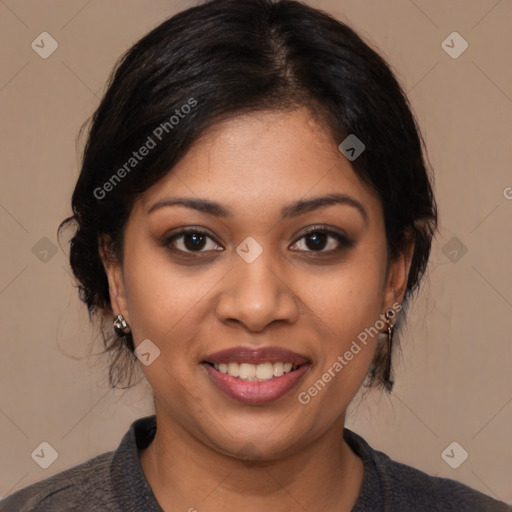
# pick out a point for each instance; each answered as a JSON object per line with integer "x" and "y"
{"x": 211, "y": 452}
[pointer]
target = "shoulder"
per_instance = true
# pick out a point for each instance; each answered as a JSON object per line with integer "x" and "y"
{"x": 111, "y": 481}
{"x": 426, "y": 492}
{"x": 398, "y": 486}
{"x": 69, "y": 490}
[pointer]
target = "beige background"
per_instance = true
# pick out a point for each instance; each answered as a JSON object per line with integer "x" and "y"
{"x": 454, "y": 379}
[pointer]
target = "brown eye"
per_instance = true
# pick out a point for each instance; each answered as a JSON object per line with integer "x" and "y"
{"x": 323, "y": 240}
{"x": 191, "y": 241}
{"x": 316, "y": 241}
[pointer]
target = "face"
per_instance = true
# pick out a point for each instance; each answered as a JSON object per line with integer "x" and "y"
{"x": 265, "y": 267}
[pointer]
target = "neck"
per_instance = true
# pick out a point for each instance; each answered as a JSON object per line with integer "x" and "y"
{"x": 186, "y": 474}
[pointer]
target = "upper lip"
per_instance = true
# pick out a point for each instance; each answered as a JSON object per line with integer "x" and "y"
{"x": 256, "y": 356}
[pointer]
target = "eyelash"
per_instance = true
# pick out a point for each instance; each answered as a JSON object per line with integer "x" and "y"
{"x": 343, "y": 241}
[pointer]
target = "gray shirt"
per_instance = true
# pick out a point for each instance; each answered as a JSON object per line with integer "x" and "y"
{"x": 114, "y": 481}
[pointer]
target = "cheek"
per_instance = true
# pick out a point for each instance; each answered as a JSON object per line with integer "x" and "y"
{"x": 347, "y": 308}
{"x": 349, "y": 300}
{"x": 169, "y": 305}
{"x": 157, "y": 297}
{"x": 348, "y": 305}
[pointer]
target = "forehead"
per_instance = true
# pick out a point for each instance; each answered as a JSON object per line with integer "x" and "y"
{"x": 256, "y": 161}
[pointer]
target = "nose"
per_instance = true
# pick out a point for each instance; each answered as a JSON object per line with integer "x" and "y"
{"x": 256, "y": 295}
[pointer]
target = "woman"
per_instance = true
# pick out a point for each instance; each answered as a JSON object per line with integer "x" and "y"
{"x": 253, "y": 214}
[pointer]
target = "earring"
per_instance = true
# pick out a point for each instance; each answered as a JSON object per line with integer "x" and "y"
{"x": 387, "y": 338}
{"x": 121, "y": 326}
{"x": 122, "y": 329}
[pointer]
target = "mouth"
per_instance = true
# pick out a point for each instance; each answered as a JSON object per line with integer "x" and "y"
{"x": 255, "y": 376}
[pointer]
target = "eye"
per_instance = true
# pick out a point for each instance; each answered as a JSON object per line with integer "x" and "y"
{"x": 191, "y": 240}
{"x": 318, "y": 239}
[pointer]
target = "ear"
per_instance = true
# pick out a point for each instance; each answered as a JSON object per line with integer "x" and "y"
{"x": 398, "y": 274}
{"x": 114, "y": 271}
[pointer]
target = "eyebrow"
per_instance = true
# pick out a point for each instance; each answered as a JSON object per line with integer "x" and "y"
{"x": 292, "y": 210}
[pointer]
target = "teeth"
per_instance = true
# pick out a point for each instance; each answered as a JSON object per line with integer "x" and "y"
{"x": 265, "y": 371}
{"x": 278, "y": 369}
{"x": 255, "y": 372}
{"x": 233, "y": 369}
{"x": 247, "y": 371}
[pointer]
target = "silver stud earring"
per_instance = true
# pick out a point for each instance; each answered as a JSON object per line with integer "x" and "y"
{"x": 121, "y": 326}
{"x": 122, "y": 329}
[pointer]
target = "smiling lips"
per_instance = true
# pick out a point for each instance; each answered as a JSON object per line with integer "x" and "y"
{"x": 254, "y": 376}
